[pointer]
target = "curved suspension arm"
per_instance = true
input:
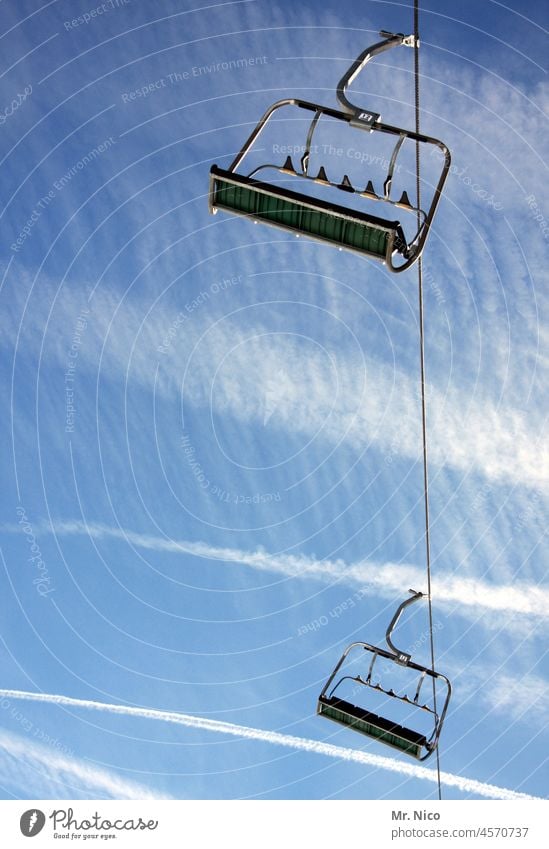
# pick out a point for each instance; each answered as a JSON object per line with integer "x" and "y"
{"x": 390, "y": 40}
{"x": 401, "y": 656}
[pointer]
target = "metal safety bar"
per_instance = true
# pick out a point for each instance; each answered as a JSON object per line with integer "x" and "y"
{"x": 414, "y": 247}
{"x": 402, "y": 658}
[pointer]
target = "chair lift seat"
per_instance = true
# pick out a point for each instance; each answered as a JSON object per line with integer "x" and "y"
{"x": 342, "y": 227}
{"x": 404, "y": 739}
{"x": 299, "y": 213}
{"x": 356, "y": 718}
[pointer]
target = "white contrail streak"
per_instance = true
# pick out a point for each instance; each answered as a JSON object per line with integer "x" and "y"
{"x": 466, "y": 785}
{"x": 40, "y": 771}
{"x": 471, "y": 594}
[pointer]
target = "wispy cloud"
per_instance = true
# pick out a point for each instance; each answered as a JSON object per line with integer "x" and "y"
{"x": 363, "y": 401}
{"x": 43, "y": 773}
{"x": 472, "y": 595}
{"x": 465, "y": 785}
{"x": 517, "y": 696}
{"x": 257, "y": 376}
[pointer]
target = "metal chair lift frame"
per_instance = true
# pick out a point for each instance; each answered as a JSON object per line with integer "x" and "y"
{"x": 301, "y": 214}
{"x": 404, "y": 739}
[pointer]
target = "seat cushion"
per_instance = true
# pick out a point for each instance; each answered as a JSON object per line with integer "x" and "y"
{"x": 372, "y": 725}
{"x": 347, "y": 228}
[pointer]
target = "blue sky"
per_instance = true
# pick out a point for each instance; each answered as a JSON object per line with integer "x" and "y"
{"x": 145, "y": 343}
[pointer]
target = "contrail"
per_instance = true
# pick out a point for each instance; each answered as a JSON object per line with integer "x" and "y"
{"x": 466, "y": 785}
{"x": 40, "y": 770}
{"x": 471, "y": 594}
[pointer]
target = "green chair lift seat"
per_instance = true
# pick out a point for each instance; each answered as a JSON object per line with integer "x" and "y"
{"x": 382, "y": 239}
{"x": 304, "y": 215}
{"x": 384, "y": 729}
{"x": 405, "y": 739}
